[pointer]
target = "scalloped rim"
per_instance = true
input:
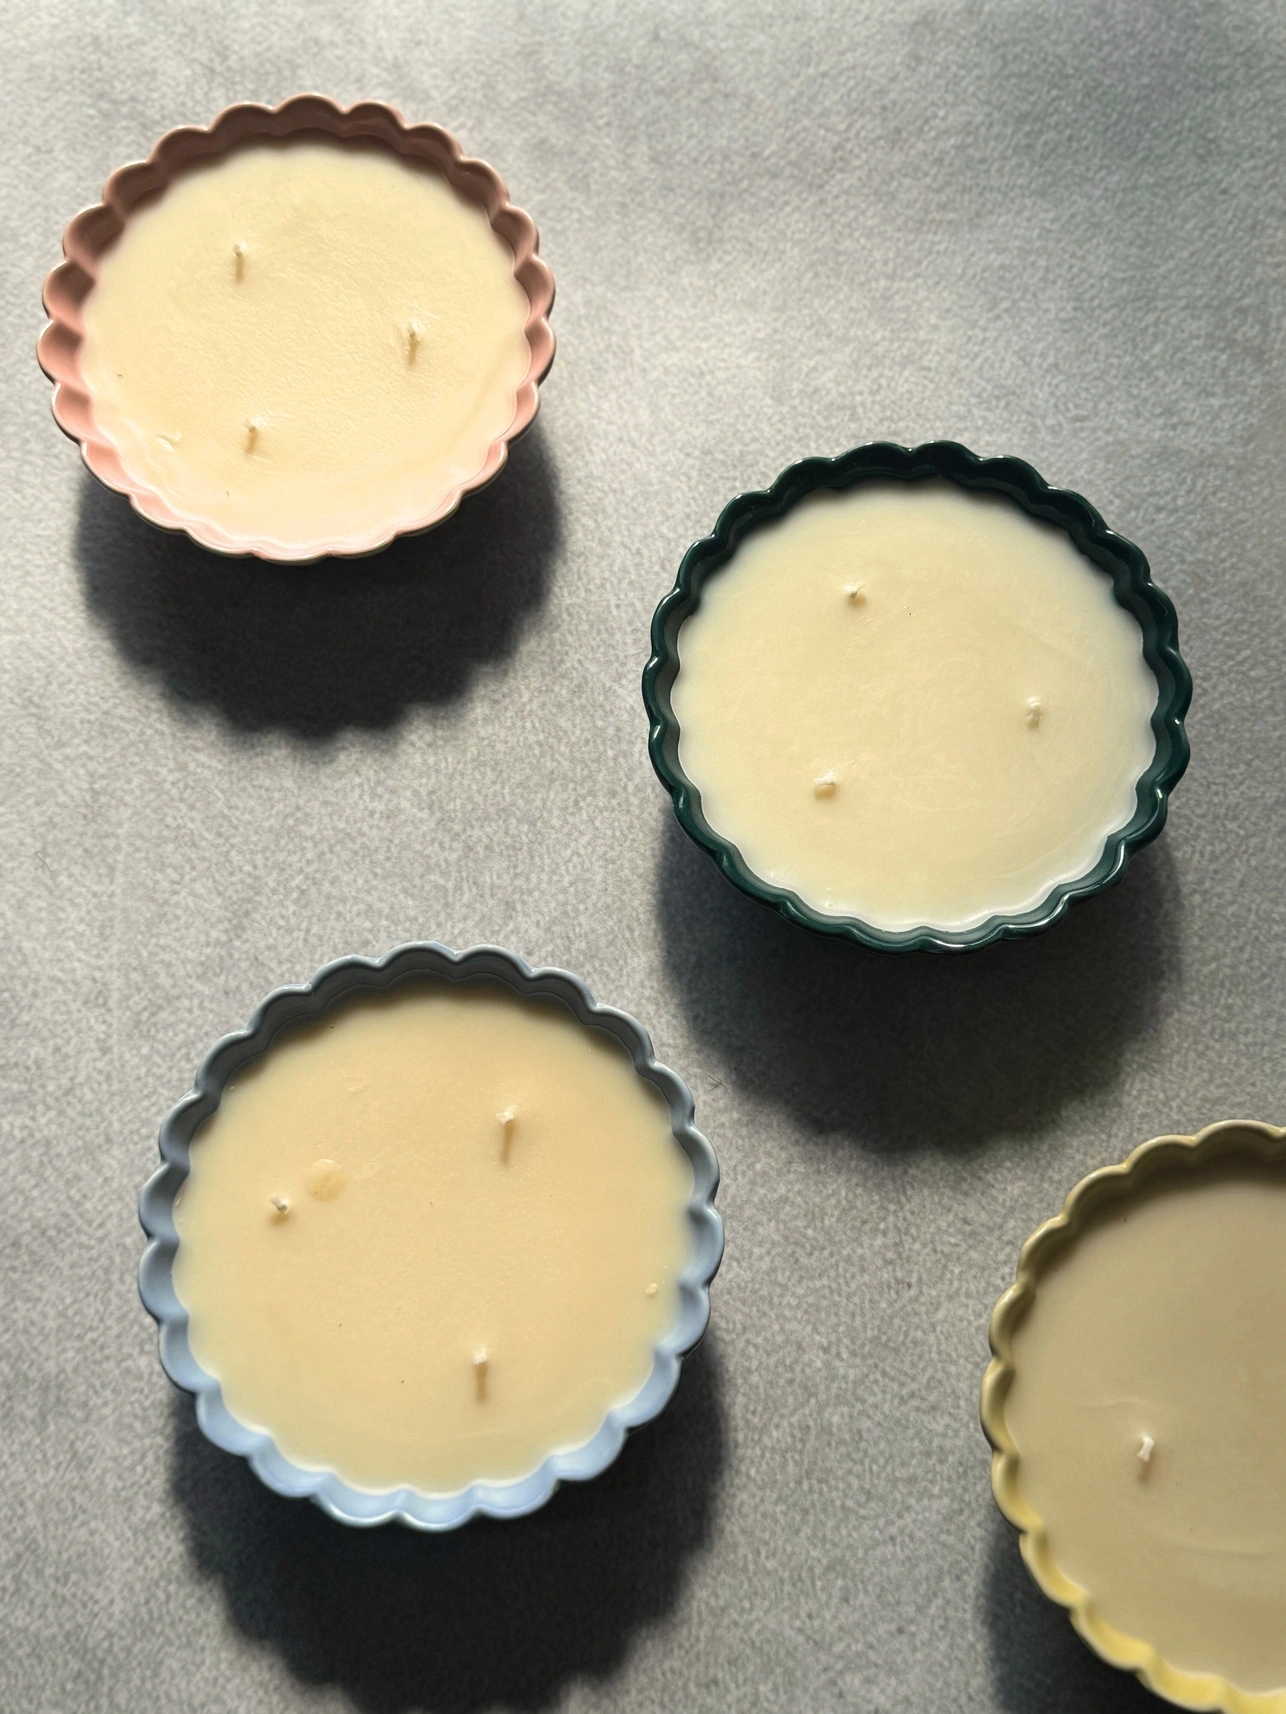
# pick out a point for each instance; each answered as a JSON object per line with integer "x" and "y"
{"x": 1249, "y": 1137}
{"x": 285, "y": 1006}
{"x": 1134, "y": 589}
{"x": 93, "y": 232}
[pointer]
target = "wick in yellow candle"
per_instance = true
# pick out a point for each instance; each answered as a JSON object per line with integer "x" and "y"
{"x": 414, "y": 334}
{"x": 1146, "y": 1447}
{"x": 1035, "y": 708}
{"x": 280, "y": 1207}
{"x": 239, "y": 260}
{"x": 855, "y": 593}
{"x": 481, "y": 1362}
{"x": 253, "y": 427}
{"x": 826, "y": 786}
{"x": 507, "y": 1119}
{"x": 651, "y": 1290}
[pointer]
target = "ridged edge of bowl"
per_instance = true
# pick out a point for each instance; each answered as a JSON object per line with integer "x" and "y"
{"x": 1162, "y": 1155}
{"x": 93, "y": 231}
{"x": 284, "y": 1006}
{"x": 883, "y": 460}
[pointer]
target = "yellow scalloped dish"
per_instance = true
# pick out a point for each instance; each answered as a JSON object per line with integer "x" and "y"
{"x": 1136, "y": 1405}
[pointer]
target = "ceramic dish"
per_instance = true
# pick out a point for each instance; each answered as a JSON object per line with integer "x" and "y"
{"x": 1170, "y": 1158}
{"x": 289, "y": 1005}
{"x": 94, "y": 231}
{"x": 1133, "y": 588}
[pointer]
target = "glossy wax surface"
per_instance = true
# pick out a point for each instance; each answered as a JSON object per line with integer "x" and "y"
{"x": 306, "y": 340}
{"x": 483, "y": 1226}
{"x": 1165, "y": 1320}
{"x": 914, "y": 705}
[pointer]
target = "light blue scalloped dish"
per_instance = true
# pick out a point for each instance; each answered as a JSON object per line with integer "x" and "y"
{"x": 287, "y": 1006}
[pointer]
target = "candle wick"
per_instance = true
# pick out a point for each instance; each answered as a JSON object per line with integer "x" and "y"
{"x": 253, "y": 427}
{"x": 280, "y": 1206}
{"x": 1144, "y": 1454}
{"x": 651, "y": 1290}
{"x": 826, "y": 786}
{"x": 480, "y": 1365}
{"x": 507, "y": 1119}
{"x": 414, "y": 334}
{"x": 1035, "y": 708}
{"x": 239, "y": 260}
{"x": 856, "y": 594}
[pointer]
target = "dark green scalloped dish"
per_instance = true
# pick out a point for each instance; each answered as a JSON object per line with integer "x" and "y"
{"x": 1134, "y": 590}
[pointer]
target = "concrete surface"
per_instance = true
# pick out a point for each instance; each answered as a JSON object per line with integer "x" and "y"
{"x": 1045, "y": 227}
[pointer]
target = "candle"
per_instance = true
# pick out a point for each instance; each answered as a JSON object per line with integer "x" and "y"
{"x": 435, "y": 1237}
{"x": 302, "y": 333}
{"x": 306, "y": 339}
{"x": 1136, "y": 1404}
{"x": 913, "y": 705}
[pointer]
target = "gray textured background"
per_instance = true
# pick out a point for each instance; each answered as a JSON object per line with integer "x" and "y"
{"x": 1050, "y": 229}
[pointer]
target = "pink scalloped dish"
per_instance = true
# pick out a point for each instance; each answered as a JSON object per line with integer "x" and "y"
{"x": 304, "y": 331}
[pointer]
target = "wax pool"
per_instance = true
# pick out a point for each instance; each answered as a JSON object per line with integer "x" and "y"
{"x": 914, "y": 705}
{"x": 1148, "y": 1407}
{"x": 305, "y": 340}
{"x": 434, "y": 1237}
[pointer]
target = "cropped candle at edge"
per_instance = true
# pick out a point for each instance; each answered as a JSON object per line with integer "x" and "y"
{"x": 1135, "y": 1405}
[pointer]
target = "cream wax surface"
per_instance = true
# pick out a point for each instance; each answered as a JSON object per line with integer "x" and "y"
{"x": 1148, "y": 1408}
{"x": 914, "y": 705}
{"x": 306, "y": 339}
{"x": 434, "y": 1237}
